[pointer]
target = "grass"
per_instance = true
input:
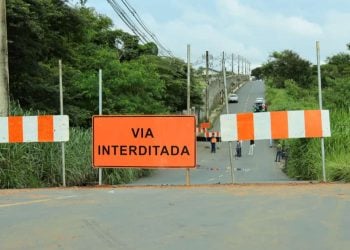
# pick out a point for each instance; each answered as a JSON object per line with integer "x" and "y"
{"x": 28, "y": 165}
{"x": 24, "y": 165}
{"x": 305, "y": 159}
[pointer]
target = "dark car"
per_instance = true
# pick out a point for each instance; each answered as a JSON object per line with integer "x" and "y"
{"x": 259, "y": 105}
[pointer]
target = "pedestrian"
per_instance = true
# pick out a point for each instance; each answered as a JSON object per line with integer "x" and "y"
{"x": 238, "y": 149}
{"x": 251, "y": 147}
{"x": 213, "y": 141}
{"x": 279, "y": 152}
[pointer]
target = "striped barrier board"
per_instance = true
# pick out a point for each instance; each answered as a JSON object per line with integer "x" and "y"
{"x": 205, "y": 136}
{"x": 43, "y": 128}
{"x": 209, "y": 134}
{"x": 275, "y": 125}
{"x": 201, "y": 130}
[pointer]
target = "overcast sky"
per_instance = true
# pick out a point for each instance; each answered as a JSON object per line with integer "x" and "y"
{"x": 251, "y": 28}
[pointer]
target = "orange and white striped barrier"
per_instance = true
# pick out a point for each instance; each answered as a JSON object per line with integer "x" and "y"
{"x": 201, "y": 131}
{"x": 275, "y": 125}
{"x": 211, "y": 133}
{"x": 43, "y": 128}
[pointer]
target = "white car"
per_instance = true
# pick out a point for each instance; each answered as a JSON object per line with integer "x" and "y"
{"x": 233, "y": 98}
{"x": 260, "y": 99}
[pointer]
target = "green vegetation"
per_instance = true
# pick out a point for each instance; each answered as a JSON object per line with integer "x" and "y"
{"x": 135, "y": 81}
{"x": 39, "y": 164}
{"x": 287, "y": 91}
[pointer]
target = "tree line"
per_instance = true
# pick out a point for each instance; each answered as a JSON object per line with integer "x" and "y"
{"x": 136, "y": 79}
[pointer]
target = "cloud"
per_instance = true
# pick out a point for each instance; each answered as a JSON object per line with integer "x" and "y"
{"x": 251, "y": 28}
{"x": 269, "y": 21}
{"x": 301, "y": 26}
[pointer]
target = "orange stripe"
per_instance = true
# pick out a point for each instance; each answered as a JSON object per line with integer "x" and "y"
{"x": 279, "y": 124}
{"x": 15, "y": 124}
{"x": 45, "y": 128}
{"x": 245, "y": 126}
{"x": 313, "y": 123}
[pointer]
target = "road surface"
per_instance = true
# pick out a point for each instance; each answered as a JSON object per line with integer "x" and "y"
{"x": 216, "y": 168}
{"x": 264, "y": 216}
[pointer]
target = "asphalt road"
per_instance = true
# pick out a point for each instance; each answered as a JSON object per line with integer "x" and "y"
{"x": 216, "y": 168}
{"x": 265, "y": 216}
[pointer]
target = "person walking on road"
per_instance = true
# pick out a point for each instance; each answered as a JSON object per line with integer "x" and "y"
{"x": 251, "y": 147}
{"x": 238, "y": 149}
{"x": 279, "y": 152}
{"x": 213, "y": 141}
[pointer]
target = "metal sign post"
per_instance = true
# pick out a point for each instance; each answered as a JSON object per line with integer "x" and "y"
{"x": 100, "y": 113}
{"x": 320, "y": 105}
{"x": 61, "y": 112}
{"x": 188, "y": 180}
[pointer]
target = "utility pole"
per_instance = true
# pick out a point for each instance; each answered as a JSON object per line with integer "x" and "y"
{"x": 232, "y": 62}
{"x": 242, "y": 65}
{"x": 207, "y": 87}
{"x": 4, "y": 72}
{"x": 238, "y": 63}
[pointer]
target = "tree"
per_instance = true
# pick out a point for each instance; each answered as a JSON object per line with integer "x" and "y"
{"x": 135, "y": 79}
{"x": 336, "y": 79}
{"x": 173, "y": 72}
{"x": 4, "y": 77}
{"x": 257, "y": 72}
{"x": 287, "y": 65}
{"x": 342, "y": 63}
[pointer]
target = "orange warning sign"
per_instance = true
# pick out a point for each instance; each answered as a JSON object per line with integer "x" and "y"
{"x": 204, "y": 125}
{"x": 144, "y": 141}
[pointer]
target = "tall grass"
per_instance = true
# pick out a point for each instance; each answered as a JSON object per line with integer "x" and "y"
{"x": 338, "y": 146}
{"x": 24, "y": 165}
{"x": 304, "y": 156}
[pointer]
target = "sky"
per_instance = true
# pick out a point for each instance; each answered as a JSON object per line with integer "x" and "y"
{"x": 251, "y": 28}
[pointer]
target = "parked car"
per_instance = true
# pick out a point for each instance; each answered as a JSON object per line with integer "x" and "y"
{"x": 233, "y": 98}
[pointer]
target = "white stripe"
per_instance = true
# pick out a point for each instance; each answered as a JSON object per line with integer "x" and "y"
{"x": 296, "y": 124}
{"x": 60, "y": 128}
{"x": 262, "y": 126}
{"x": 4, "y": 130}
{"x": 30, "y": 128}
{"x": 228, "y": 127}
{"x": 326, "y": 127}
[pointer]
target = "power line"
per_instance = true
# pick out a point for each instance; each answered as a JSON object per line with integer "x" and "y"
{"x": 122, "y": 14}
{"x": 139, "y": 20}
{"x": 145, "y": 38}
